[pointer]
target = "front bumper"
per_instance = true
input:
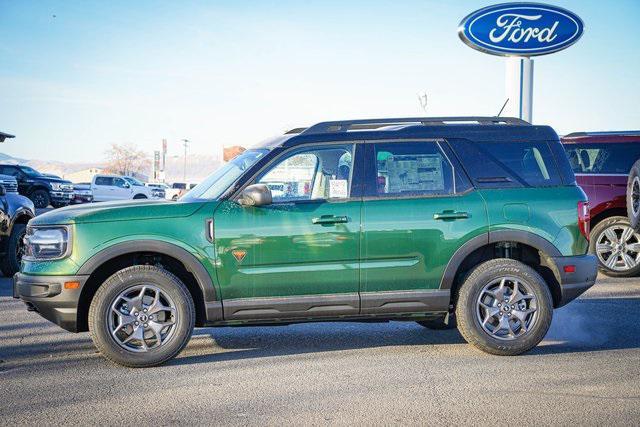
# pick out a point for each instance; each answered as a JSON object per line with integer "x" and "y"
{"x": 47, "y": 296}
{"x": 575, "y": 283}
{"x": 62, "y": 197}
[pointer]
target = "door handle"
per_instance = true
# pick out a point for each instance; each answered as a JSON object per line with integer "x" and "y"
{"x": 330, "y": 219}
{"x": 450, "y": 215}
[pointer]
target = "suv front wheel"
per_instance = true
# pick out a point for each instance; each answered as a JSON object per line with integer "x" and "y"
{"x": 141, "y": 316}
{"x": 504, "y": 307}
{"x": 617, "y": 247}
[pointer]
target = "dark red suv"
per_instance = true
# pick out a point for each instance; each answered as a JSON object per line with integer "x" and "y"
{"x": 601, "y": 162}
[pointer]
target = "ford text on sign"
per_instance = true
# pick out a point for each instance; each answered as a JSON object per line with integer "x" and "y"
{"x": 521, "y": 29}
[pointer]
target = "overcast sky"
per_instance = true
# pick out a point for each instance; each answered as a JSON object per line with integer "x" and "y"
{"x": 76, "y": 76}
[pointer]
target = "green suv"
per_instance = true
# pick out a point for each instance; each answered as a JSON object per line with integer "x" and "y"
{"x": 475, "y": 222}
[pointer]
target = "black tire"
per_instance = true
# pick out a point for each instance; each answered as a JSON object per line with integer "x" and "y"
{"x": 139, "y": 196}
{"x": 174, "y": 198}
{"x": 615, "y": 223}
{"x": 439, "y": 323}
{"x": 40, "y": 199}
{"x": 633, "y": 196}
{"x": 10, "y": 263}
{"x": 130, "y": 278}
{"x": 468, "y": 308}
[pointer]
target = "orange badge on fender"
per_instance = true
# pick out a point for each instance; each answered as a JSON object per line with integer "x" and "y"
{"x": 239, "y": 254}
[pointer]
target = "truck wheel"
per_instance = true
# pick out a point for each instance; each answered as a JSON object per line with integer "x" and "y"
{"x": 439, "y": 323}
{"x": 40, "y": 199}
{"x": 504, "y": 307}
{"x": 633, "y": 196}
{"x": 10, "y": 263}
{"x": 141, "y": 316}
{"x": 617, "y": 247}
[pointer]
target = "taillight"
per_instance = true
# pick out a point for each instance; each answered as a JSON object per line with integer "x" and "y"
{"x": 584, "y": 219}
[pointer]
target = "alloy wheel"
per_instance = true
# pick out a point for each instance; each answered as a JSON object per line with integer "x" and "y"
{"x": 635, "y": 196}
{"x": 506, "y": 308}
{"x": 618, "y": 247}
{"x": 142, "y": 318}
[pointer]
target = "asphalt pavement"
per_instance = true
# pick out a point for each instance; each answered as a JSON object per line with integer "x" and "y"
{"x": 586, "y": 371}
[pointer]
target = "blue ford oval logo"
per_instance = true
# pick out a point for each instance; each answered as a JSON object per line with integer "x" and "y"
{"x": 521, "y": 29}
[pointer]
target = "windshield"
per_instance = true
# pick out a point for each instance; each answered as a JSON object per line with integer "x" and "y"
{"x": 30, "y": 171}
{"x": 215, "y": 184}
{"x": 133, "y": 181}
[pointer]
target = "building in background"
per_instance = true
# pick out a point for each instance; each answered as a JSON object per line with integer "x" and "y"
{"x": 84, "y": 175}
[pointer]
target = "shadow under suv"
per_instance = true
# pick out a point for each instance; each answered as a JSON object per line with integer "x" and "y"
{"x": 470, "y": 221}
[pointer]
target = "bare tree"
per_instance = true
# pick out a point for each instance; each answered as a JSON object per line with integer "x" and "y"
{"x": 125, "y": 159}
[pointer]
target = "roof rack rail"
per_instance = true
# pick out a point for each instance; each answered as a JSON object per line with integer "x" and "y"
{"x": 345, "y": 126}
{"x": 605, "y": 133}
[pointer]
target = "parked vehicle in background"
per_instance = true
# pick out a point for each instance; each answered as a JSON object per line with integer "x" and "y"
{"x": 43, "y": 190}
{"x": 82, "y": 193}
{"x": 601, "y": 162}
{"x": 15, "y": 213}
{"x": 115, "y": 187}
{"x": 418, "y": 219}
{"x": 176, "y": 191}
{"x": 158, "y": 189}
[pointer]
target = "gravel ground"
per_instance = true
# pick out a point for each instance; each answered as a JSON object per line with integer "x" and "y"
{"x": 586, "y": 371}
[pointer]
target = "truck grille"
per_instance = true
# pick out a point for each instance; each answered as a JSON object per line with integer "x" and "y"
{"x": 66, "y": 187}
{"x": 10, "y": 186}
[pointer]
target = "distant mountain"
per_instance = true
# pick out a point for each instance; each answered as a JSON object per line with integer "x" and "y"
{"x": 198, "y": 166}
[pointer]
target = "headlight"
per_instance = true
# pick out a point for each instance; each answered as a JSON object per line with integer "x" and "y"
{"x": 47, "y": 243}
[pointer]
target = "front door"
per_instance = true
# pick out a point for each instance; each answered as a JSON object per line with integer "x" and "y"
{"x": 418, "y": 210}
{"x": 297, "y": 257}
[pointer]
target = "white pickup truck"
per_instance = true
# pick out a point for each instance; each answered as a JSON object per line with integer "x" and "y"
{"x": 116, "y": 187}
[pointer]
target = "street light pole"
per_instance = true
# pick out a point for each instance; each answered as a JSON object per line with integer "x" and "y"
{"x": 184, "y": 174}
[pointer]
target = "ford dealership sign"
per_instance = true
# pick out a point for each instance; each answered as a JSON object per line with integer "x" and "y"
{"x": 521, "y": 29}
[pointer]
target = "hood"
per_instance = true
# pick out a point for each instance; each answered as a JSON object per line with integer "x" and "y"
{"x": 49, "y": 179}
{"x": 128, "y": 210}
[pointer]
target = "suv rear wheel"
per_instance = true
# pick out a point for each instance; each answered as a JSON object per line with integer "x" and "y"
{"x": 617, "y": 247}
{"x": 504, "y": 307}
{"x": 141, "y": 316}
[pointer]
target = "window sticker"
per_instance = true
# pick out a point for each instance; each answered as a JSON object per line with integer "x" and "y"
{"x": 418, "y": 172}
{"x": 338, "y": 189}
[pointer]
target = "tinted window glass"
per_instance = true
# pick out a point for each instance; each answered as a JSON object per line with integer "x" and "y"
{"x": 602, "y": 158}
{"x": 508, "y": 164}
{"x": 412, "y": 169}
{"x": 104, "y": 180}
{"x": 119, "y": 182}
{"x": 311, "y": 174}
{"x": 9, "y": 170}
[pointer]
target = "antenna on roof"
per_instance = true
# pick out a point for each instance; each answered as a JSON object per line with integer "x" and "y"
{"x": 502, "y": 109}
{"x": 422, "y": 99}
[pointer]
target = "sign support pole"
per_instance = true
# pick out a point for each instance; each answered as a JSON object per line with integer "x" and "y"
{"x": 519, "y": 87}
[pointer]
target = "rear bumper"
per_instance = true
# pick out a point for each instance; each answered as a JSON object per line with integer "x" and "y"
{"x": 573, "y": 284}
{"x": 46, "y": 295}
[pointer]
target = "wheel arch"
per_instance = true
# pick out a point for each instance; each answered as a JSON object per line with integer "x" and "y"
{"x": 535, "y": 251}
{"x": 174, "y": 258}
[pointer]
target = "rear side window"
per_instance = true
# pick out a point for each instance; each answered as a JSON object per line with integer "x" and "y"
{"x": 412, "y": 169}
{"x": 104, "y": 180}
{"x": 508, "y": 164}
{"x": 611, "y": 158}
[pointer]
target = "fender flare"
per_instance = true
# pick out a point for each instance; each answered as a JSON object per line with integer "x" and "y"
{"x": 191, "y": 263}
{"x": 519, "y": 236}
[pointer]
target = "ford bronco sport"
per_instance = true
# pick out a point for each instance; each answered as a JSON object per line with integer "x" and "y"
{"x": 419, "y": 219}
{"x": 601, "y": 162}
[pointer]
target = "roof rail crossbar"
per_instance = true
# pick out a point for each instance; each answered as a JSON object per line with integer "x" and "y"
{"x": 345, "y": 126}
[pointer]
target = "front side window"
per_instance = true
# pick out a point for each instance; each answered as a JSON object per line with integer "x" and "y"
{"x": 605, "y": 158}
{"x": 318, "y": 173}
{"x": 119, "y": 182}
{"x": 412, "y": 169}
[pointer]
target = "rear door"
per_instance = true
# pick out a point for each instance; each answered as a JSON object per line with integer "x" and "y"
{"x": 418, "y": 209}
{"x": 103, "y": 188}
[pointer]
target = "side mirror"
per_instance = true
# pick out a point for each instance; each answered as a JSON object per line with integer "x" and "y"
{"x": 255, "y": 195}
{"x": 3, "y": 191}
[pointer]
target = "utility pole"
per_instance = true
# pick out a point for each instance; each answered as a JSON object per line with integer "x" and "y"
{"x": 184, "y": 174}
